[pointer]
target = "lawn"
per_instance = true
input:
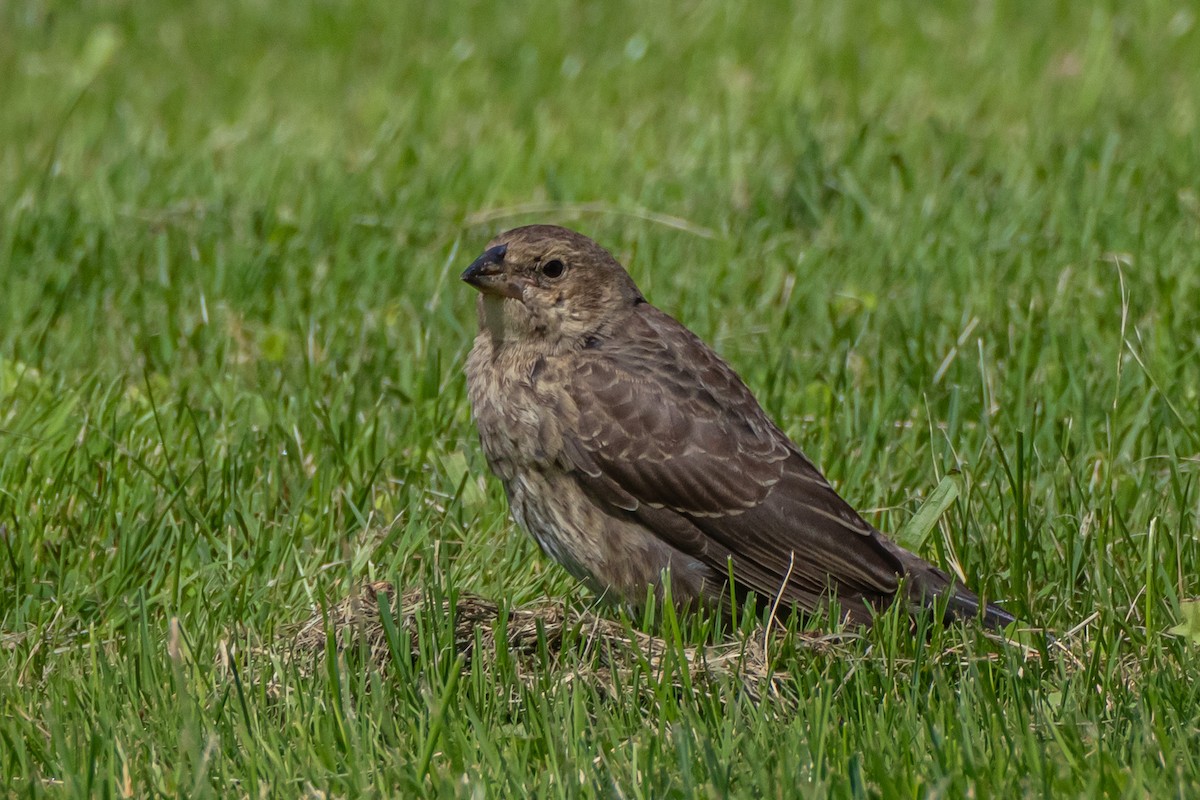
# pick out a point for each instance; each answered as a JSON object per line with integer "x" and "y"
{"x": 935, "y": 239}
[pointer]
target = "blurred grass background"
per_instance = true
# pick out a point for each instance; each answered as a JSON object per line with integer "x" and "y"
{"x": 933, "y": 237}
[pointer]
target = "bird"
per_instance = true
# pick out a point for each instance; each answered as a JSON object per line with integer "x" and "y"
{"x": 638, "y": 459}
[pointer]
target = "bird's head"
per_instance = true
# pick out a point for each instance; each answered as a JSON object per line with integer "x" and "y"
{"x": 549, "y": 287}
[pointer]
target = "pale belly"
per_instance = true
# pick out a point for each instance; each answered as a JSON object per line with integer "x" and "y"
{"x": 605, "y": 548}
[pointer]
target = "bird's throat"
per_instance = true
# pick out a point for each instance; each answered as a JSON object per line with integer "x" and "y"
{"x": 495, "y": 318}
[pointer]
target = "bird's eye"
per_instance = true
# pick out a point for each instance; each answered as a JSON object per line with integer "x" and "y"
{"x": 553, "y": 268}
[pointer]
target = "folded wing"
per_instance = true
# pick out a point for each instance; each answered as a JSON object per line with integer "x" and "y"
{"x": 669, "y": 433}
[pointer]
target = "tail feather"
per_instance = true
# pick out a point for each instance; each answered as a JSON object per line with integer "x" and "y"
{"x": 964, "y": 604}
{"x": 928, "y": 585}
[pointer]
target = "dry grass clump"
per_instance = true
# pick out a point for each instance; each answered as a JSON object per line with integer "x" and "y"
{"x": 587, "y": 646}
{"x": 603, "y": 648}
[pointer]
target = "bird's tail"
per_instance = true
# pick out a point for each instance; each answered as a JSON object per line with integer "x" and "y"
{"x": 965, "y": 604}
{"x": 930, "y": 586}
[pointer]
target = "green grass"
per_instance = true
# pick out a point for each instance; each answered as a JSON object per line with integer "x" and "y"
{"x": 231, "y": 340}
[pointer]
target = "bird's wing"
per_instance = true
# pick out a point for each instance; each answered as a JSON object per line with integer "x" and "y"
{"x": 667, "y": 431}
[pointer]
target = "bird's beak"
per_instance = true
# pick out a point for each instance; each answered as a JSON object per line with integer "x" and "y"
{"x": 487, "y": 274}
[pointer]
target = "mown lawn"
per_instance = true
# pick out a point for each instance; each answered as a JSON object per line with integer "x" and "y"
{"x": 933, "y": 239}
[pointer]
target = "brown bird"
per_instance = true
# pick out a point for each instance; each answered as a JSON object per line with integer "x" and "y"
{"x": 629, "y": 449}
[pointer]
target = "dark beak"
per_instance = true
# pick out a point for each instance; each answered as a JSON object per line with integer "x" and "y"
{"x": 487, "y": 274}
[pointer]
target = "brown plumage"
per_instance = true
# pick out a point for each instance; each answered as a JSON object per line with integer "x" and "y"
{"x": 628, "y": 448}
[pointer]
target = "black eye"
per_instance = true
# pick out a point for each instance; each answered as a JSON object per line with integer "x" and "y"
{"x": 553, "y": 268}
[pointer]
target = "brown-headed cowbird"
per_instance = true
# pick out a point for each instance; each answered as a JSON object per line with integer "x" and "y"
{"x": 629, "y": 449}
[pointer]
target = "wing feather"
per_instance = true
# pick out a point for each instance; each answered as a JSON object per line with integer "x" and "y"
{"x": 668, "y": 432}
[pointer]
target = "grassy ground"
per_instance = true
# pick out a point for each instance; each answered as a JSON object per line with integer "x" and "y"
{"x": 231, "y": 341}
